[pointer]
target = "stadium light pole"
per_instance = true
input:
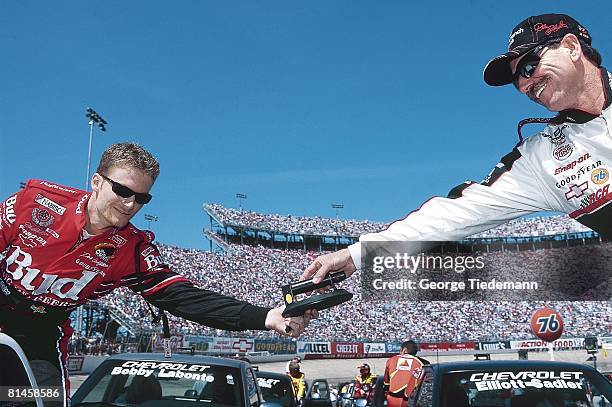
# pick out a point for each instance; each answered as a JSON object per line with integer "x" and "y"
{"x": 240, "y": 197}
{"x": 150, "y": 218}
{"x": 93, "y": 118}
{"x": 337, "y": 207}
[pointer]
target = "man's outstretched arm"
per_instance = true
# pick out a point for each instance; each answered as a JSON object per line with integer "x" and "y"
{"x": 511, "y": 190}
{"x": 219, "y": 311}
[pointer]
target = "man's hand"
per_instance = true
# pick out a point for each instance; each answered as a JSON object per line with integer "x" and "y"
{"x": 293, "y": 326}
{"x": 322, "y": 265}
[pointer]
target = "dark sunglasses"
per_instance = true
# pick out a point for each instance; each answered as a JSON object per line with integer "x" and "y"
{"x": 125, "y": 192}
{"x": 528, "y": 64}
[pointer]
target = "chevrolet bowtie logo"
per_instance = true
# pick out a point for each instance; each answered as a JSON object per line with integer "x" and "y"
{"x": 38, "y": 309}
{"x": 576, "y": 191}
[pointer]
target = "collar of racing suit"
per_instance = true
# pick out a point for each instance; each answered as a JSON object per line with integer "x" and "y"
{"x": 580, "y": 117}
{"x": 573, "y": 115}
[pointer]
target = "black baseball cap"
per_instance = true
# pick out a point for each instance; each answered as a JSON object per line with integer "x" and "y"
{"x": 527, "y": 35}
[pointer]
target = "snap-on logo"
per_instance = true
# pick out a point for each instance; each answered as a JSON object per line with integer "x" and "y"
{"x": 49, "y": 204}
{"x": 571, "y": 165}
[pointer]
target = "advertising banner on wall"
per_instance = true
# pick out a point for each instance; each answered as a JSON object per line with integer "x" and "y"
{"x": 499, "y": 345}
{"x": 319, "y": 348}
{"x": 232, "y": 345}
{"x": 275, "y": 346}
{"x": 347, "y": 349}
{"x": 374, "y": 348}
{"x": 563, "y": 343}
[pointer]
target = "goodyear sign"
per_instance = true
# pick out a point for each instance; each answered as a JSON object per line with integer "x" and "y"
{"x": 275, "y": 346}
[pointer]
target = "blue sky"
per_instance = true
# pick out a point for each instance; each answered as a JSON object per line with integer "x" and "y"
{"x": 376, "y": 105}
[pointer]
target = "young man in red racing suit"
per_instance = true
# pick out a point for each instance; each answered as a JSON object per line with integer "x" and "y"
{"x": 64, "y": 246}
{"x": 564, "y": 168}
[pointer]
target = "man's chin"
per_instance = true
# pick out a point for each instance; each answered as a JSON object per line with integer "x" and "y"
{"x": 120, "y": 223}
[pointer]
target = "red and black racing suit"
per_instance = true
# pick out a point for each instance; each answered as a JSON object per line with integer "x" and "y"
{"x": 49, "y": 268}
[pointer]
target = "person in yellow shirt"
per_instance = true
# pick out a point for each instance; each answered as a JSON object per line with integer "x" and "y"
{"x": 297, "y": 379}
{"x": 364, "y": 383}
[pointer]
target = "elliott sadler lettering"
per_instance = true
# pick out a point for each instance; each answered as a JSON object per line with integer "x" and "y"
{"x": 51, "y": 284}
{"x": 528, "y": 379}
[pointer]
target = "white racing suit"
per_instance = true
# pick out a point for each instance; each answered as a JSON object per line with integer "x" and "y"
{"x": 566, "y": 167}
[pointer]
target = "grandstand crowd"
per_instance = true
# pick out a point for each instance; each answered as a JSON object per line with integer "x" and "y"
{"x": 320, "y": 226}
{"x": 256, "y": 274}
{"x": 292, "y": 225}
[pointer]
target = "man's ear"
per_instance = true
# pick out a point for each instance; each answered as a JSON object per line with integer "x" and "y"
{"x": 96, "y": 182}
{"x": 570, "y": 41}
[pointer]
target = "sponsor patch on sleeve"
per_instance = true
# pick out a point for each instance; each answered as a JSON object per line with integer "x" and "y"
{"x": 7, "y": 210}
{"x": 152, "y": 258}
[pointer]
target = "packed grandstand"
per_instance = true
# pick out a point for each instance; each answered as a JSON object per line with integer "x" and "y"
{"x": 300, "y": 225}
{"x": 256, "y": 273}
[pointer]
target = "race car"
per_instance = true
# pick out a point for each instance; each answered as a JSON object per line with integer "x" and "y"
{"x": 513, "y": 384}
{"x": 276, "y": 388}
{"x": 150, "y": 379}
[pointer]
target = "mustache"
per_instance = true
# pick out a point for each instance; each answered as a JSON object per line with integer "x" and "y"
{"x": 531, "y": 92}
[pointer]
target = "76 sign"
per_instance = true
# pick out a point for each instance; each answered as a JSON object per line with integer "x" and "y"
{"x": 547, "y": 324}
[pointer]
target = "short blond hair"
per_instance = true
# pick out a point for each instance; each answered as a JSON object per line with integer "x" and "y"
{"x": 128, "y": 155}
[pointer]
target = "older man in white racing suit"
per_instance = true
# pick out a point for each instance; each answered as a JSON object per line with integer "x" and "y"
{"x": 566, "y": 167}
